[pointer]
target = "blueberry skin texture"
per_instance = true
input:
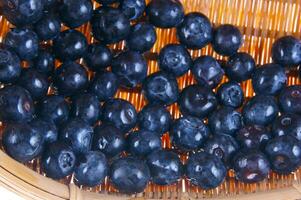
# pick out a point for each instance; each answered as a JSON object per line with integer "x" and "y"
{"x": 16, "y": 104}
{"x": 130, "y": 67}
{"x": 110, "y": 25}
{"x": 70, "y": 45}
{"x": 58, "y": 160}
{"x": 205, "y": 170}
{"x": 91, "y": 169}
{"x": 132, "y": 9}
{"x": 154, "y": 118}
{"x": 141, "y": 143}
{"x": 165, "y": 13}
{"x": 269, "y": 79}
{"x": 197, "y": 101}
{"x": 240, "y": 67}
{"x": 54, "y": 108}
{"x": 104, "y": 85}
{"x": 70, "y": 78}
{"x": 287, "y": 124}
{"x": 87, "y": 107}
{"x": 141, "y": 38}
{"x": 225, "y": 120}
{"x": 161, "y": 88}
{"x": 195, "y": 32}
{"x": 253, "y": 137}
{"x": 22, "y": 12}
{"x": 189, "y": 133}
{"x": 21, "y": 142}
{"x": 207, "y": 71}
{"x": 129, "y": 175}
{"x": 107, "y": 2}
{"x": 35, "y": 83}
{"x": 10, "y": 68}
{"x": 46, "y": 128}
{"x": 290, "y": 99}
{"x": 175, "y": 59}
{"x": 223, "y": 146}
{"x": 230, "y": 94}
{"x": 260, "y": 110}
{"x": 165, "y": 167}
{"x": 75, "y": 13}
{"x": 286, "y": 51}
{"x": 226, "y": 40}
{"x": 44, "y": 62}
{"x": 48, "y": 27}
{"x": 98, "y": 57}
{"x": 109, "y": 140}
{"x": 23, "y": 41}
{"x": 120, "y": 113}
{"x": 251, "y": 166}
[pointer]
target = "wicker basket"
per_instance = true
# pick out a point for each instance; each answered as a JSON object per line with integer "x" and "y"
{"x": 261, "y": 22}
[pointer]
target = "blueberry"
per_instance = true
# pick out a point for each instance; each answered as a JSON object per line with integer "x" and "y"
{"x": 189, "y": 133}
{"x": 290, "y": 99}
{"x": 225, "y": 120}
{"x": 22, "y": 12}
{"x": 223, "y": 146}
{"x": 75, "y": 13}
{"x": 205, "y": 170}
{"x": 226, "y": 40}
{"x": 161, "y": 88}
{"x": 253, "y": 137}
{"x": 154, "y": 118}
{"x": 197, "y": 101}
{"x": 207, "y": 71}
{"x": 109, "y": 140}
{"x": 54, "y": 108}
{"x": 133, "y": 9}
{"x": 10, "y": 68}
{"x": 48, "y": 27}
{"x": 269, "y": 79}
{"x": 91, "y": 169}
{"x": 104, "y": 85}
{"x": 23, "y": 41}
{"x": 120, "y": 113}
{"x": 16, "y": 104}
{"x": 195, "y": 32}
{"x": 44, "y": 62}
{"x": 284, "y": 153}
{"x": 287, "y": 51}
{"x": 110, "y": 25}
{"x": 48, "y": 4}
{"x": 142, "y": 142}
{"x": 35, "y": 83}
{"x": 260, "y": 110}
{"x": 107, "y": 2}
{"x": 70, "y": 45}
{"x": 70, "y": 78}
{"x": 46, "y": 128}
{"x": 240, "y": 67}
{"x": 86, "y": 107}
{"x": 98, "y": 57}
{"x": 165, "y": 167}
{"x": 130, "y": 67}
{"x": 251, "y": 166}
{"x": 141, "y": 38}
{"x": 287, "y": 124}
{"x": 230, "y": 94}
{"x": 165, "y": 13}
{"x": 175, "y": 59}
{"x": 21, "y": 142}
{"x": 58, "y": 160}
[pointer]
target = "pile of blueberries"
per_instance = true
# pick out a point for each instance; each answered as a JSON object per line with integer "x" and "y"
{"x": 70, "y": 119}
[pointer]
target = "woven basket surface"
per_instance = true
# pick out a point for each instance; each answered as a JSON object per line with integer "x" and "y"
{"x": 261, "y": 22}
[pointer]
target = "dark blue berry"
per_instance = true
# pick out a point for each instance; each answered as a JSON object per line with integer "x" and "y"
{"x": 44, "y": 62}
{"x": 107, "y": 2}
{"x": 46, "y": 128}
{"x": 287, "y": 124}
{"x": 10, "y": 68}
{"x": 230, "y": 94}
{"x": 98, "y": 57}
{"x": 133, "y": 9}
{"x": 48, "y": 4}
{"x": 195, "y": 32}
{"x": 290, "y": 99}
{"x": 48, "y": 27}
